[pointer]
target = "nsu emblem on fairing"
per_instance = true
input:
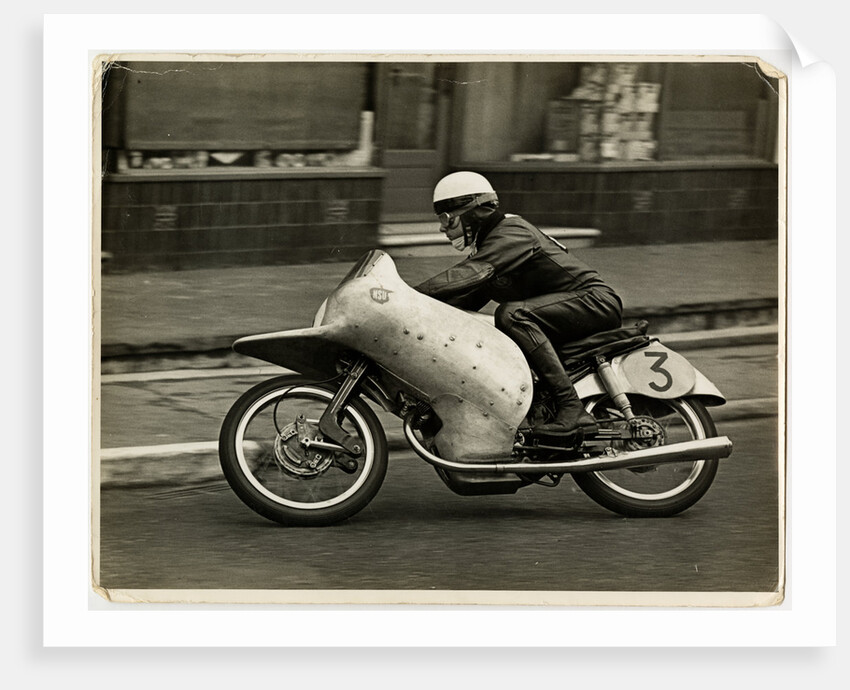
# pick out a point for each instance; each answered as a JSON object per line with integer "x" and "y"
{"x": 380, "y": 295}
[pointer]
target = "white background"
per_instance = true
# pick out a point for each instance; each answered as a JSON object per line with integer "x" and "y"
{"x": 788, "y": 646}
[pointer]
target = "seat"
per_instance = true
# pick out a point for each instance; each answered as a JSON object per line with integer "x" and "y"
{"x": 607, "y": 343}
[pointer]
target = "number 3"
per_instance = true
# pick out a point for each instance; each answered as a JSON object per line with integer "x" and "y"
{"x": 656, "y": 366}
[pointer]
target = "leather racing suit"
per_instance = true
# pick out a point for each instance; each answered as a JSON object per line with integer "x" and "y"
{"x": 546, "y": 295}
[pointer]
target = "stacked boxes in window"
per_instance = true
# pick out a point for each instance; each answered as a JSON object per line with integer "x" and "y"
{"x": 628, "y": 115}
{"x": 590, "y": 131}
{"x": 591, "y": 89}
{"x": 608, "y": 116}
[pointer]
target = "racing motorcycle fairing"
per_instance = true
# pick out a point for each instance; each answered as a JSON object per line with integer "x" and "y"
{"x": 472, "y": 375}
{"x": 311, "y": 351}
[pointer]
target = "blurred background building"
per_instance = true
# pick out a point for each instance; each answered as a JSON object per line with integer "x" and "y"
{"x": 248, "y": 163}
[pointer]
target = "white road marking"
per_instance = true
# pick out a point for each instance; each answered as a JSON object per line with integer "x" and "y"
{"x": 134, "y": 452}
{"x": 185, "y": 374}
{"x": 130, "y": 452}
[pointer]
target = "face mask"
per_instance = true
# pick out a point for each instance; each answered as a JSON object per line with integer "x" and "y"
{"x": 459, "y": 243}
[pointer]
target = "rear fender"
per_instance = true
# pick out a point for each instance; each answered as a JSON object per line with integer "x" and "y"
{"x": 654, "y": 371}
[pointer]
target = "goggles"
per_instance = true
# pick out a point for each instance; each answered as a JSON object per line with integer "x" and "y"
{"x": 448, "y": 220}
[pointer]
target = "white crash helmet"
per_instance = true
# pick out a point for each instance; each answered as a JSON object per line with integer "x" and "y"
{"x": 463, "y": 191}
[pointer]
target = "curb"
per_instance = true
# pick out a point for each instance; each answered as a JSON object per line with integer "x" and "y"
{"x": 767, "y": 334}
{"x": 237, "y": 365}
{"x": 703, "y": 317}
{"x": 211, "y": 353}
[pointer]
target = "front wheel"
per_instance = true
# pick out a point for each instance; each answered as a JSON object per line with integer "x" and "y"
{"x": 661, "y": 490}
{"x": 273, "y": 471}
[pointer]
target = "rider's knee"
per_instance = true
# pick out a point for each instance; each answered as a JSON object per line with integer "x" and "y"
{"x": 505, "y": 316}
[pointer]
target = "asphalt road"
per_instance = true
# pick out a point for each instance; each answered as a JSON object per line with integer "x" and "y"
{"x": 418, "y": 535}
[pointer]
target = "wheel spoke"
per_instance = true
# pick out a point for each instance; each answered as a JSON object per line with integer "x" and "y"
{"x": 270, "y": 459}
{"x": 678, "y": 423}
{"x": 289, "y": 473}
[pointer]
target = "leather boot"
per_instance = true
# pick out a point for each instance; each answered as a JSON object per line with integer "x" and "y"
{"x": 570, "y": 415}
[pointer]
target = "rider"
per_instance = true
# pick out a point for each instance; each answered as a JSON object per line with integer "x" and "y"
{"x": 546, "y": 296}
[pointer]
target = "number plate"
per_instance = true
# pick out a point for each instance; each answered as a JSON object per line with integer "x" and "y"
{"x": 658, "y": 372}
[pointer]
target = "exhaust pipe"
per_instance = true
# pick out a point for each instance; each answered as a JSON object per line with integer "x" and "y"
{"x": 688, "y": 451}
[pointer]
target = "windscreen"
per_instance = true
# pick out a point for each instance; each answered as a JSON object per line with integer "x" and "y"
{"x": 363, "y": 266}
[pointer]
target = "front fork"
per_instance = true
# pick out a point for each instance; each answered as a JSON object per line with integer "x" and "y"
{"x": 329, "y": 423}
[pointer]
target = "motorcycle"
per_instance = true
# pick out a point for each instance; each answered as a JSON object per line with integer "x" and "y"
{"x": 307, "y": 449}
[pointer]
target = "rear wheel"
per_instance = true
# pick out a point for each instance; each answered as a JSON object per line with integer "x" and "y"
{"x": 277, "y": 474}
{"x": 660, "y": 490}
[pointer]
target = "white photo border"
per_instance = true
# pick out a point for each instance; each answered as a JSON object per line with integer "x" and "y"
{"x": 75, "y": 616}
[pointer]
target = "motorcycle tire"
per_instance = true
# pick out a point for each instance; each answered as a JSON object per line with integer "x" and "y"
{"x": 662, "y": 490}
{"x": 278, "y": 477}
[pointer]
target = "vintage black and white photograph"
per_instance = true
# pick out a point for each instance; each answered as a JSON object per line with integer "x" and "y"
{"x": 439, "y": 329}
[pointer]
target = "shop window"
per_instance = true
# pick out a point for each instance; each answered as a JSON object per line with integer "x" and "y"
{"x": 611, "y": 112}
{"x": 718, "y": 110}
{"x": 190, "y": 115}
